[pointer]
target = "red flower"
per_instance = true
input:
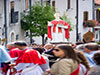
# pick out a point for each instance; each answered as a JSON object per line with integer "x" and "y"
{"x": 90, "y": 23}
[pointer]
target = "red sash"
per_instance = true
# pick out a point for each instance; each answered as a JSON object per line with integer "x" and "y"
{"x": 59, "y": 29}
{"x": 76, "y": 72}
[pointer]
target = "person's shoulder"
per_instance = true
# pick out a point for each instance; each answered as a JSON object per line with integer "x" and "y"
{"x": 15, "y": 49}
{"x": 66, "y": 60}
{"x": 29, "y": 50}
{"x": 86, "y": 54}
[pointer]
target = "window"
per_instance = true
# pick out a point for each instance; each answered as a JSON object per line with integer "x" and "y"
{"x": 53, "y": 4}
{"x": 27, "y": 34}
{"x": 26, "y": 4}
{"x": 85, "y": 16}
{"x": 14, "y": 15}
{"x": 68, "y": 4}
{"x": 12, "y": 10}
{"x": 98, "y": 15}
{"x": 12, "y": 37}
{"x": 17, "y": 37}
{"x": 12, "y": 5}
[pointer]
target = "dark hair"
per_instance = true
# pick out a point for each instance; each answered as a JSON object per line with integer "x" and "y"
{"x": 96, "y": 58}
{"x": 82, "y": 59}
{"x": 40, "y": 50}
{"x": 78, "y": 43}
{"x": 91, "y": 46}
{"x": 34, "y": 44}
{"x": 20, "y": 43}
{"x": 69, "y": 52}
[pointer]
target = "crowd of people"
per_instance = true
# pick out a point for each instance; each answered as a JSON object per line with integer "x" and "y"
{"x": 19, "y": 58}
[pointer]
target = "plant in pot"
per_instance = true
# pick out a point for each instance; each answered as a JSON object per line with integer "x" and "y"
{"x": 90, "y": 23}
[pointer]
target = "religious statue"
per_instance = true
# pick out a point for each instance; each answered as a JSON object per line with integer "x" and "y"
{"x": 58, "y": 30}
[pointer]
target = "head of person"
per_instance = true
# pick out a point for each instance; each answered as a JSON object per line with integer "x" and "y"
{"x": 21, "y": 44}
{"x": 48, "y": 46}
{"x": 82, "y": 58}
{"x": 34, "y": 45}
{"x": 80, "y": 47}
{"x": 65, "y": 51}
{"x": 40, "y": 50}
{"x": 89, "y": 47}
{"x": 78, "y": 43}
{"x": 57, "y": 16}
{"x": 10, "y": 45}
{"x": 96, "y": 58}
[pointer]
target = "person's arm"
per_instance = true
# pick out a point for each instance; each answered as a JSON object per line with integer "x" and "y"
{"x": 21, "y": 66}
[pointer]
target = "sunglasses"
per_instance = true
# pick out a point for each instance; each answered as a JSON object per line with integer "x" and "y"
{"x": 57, "y": 50}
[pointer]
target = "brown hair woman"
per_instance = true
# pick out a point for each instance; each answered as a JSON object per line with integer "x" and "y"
{"x": 67, "y": 64}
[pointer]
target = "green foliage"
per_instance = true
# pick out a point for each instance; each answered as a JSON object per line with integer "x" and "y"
{"x": 90, "y": 23}
{"x": 68, "y": 21}
{"x": 98, "y": 43}
{"x": 36, "y": 19}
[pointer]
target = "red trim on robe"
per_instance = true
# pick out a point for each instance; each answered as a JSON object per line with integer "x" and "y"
{"x": 59, "y": 29}
{"x": 76, "y": 72}
{"x": 49, "y": 32}
{"x": 30, "y": 56}
{"x": 15, "y": 52}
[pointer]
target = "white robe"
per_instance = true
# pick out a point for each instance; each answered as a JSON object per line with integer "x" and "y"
{"x": 28, "y": 69}
{"x": 57, "y": 37}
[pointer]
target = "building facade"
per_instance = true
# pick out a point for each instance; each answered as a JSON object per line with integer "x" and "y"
{"x": 1, "y": 18}
{"x": 97, "y": 17}
{"x": 76, "y": 10}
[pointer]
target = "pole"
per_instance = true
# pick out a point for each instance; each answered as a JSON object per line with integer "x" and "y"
{"x": 5, "y": 20}
{"x": 93, "y": 7}
{"x": 30, "y": 4}
{"x": 77, "y": 7}
{"x": 30, "y": 16}
{"x": 42, "y": 4}
{"x": 93, "y": 14}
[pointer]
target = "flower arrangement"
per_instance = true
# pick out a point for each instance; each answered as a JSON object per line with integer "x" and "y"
{"x": 90, "y": 23}
{"x": 65, "y": 18}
